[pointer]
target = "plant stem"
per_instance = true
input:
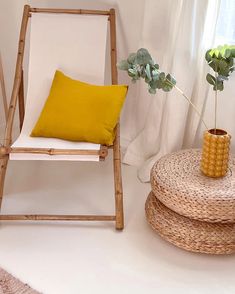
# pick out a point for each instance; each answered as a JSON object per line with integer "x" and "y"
{"x": 190, "y": 102}
{"x": 216, "y": 102}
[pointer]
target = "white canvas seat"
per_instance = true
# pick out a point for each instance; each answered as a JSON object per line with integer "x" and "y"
{"x": 48, "y": 143}
{"x": 73, "y": 41}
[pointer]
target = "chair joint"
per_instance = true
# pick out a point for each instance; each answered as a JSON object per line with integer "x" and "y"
{"x": 4, "y": 152}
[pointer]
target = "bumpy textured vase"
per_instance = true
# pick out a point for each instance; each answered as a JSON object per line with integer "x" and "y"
{"x": 215, "y": 153}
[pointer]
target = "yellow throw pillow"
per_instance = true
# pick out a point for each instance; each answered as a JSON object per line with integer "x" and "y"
{"x": 78, "y": 111}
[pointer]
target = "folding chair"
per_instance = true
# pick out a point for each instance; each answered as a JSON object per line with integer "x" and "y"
{"x": 86, "y": 30}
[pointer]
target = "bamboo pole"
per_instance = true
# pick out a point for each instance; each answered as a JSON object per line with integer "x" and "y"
{"x": 5, "y": 151}
{"x": 69, "y": 11}
{"x": 4, "y": 156}
{"x": 17, "y": 79}
{"x": 116, "y": 145}
{"x": 3, "y": 168}
{"x": 4, "y": 95}
{"x": 52, "y": 151}
{"x": 51, "y": 217}
{"x": 21, "y": 100}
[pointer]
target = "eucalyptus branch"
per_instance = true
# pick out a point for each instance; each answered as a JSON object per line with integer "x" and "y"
{"x": 216, "y": 102}
{"x": 141, "y": 65}
{"x": 189, "y": 101}
{"x": 221, "y": 60}
{"x": 193, "y": 105}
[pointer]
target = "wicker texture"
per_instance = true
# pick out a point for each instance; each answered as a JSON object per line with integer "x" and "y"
{"x": 11, "y": 285}
{"x": 189, "y": 234}
{"x": 178, "y": 183}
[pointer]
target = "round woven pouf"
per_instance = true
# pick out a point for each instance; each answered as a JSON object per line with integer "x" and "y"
{"x": 189, "y": 234}
{"x": 178, "y": 183}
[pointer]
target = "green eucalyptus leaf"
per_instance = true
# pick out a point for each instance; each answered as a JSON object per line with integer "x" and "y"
{"x": 232, "y": 69}
{"x": 213, "y": 64}
{"x": 222, "y": 64}
{"x": 132, "y": 58}
{"x": 147, "y": 80}
{"x": 171, "y": 81}
{"x": 210, "y": 79}
{"x": 219, "y": 85}
{"x": 156, "y": 66}
{"x": 153, "y": 84}
{"x": 224, "y": 51}
{"x": 133, "y": 73}
{"x": 224, "y": 72}
{"x": 167, "y": 88}
{"x": 143, "y": 74}
{"x": 152, "y": 91}
{"x": 159, "y": 84}
{"x": 148, "y": 73}
{"x": 168, "y": 77}
{"x": 230, "y": 61}
{"x": 208, "y": 56}
{"x": 162, "y": 76}
{"x": 233, "y": 52}
{"x": 143, "y": 56}
{"x": 141, "y": 65}
{"x": 227, "y": 53}
{"x": 214, "y": 53}
{"x": 155, "y": 74}
{"x": 123, "y": 65}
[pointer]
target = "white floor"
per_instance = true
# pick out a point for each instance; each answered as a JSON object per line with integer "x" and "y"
{"x": 87, "y": 258}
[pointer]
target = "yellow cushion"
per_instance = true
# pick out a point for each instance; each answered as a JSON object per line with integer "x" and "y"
{"x": 78, "y": 111}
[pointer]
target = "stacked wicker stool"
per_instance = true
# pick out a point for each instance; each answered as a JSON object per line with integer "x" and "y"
{"x": 190, "y": 210}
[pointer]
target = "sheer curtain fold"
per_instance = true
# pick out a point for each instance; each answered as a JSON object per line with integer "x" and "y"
{"x": 174, "y": 32}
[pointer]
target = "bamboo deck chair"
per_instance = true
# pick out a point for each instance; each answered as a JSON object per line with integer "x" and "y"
{"x": 84, "y": 32}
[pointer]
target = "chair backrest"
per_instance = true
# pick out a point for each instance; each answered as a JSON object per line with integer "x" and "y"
{"x": 74, "y": 44}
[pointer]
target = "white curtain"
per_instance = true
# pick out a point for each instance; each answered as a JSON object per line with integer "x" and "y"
{"x": 177, "y": 34}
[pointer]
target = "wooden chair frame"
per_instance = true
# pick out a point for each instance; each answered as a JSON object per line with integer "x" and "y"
{"x": 3, "y": 89}
{"x": 18, "y": 95}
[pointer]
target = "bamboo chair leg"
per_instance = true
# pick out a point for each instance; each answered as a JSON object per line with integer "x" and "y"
{"x": 21, "y": 100}
{"x": 118, "y": 183}
{"x": 118, "y": 195}
{"x": 116, "y": 145}
{"x": 3, "y": 168}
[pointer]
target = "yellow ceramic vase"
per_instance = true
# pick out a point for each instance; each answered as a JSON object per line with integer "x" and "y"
{"x": 215, "y": 153}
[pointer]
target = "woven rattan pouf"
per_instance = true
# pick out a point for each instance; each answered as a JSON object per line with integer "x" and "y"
{"x": 190, "y": 210}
